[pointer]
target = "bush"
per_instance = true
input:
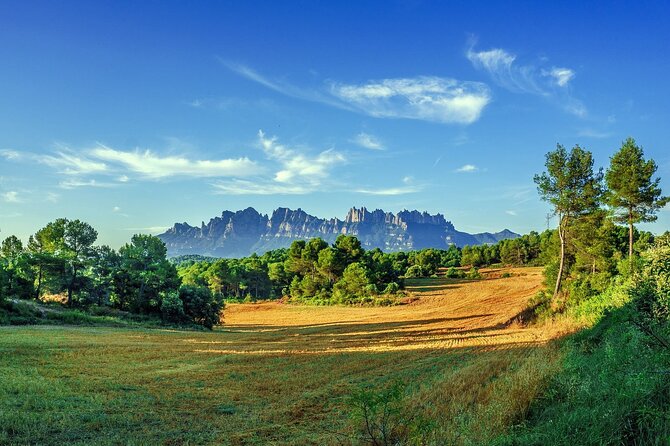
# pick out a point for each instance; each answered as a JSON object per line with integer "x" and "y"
{"x": 473, "y": 274}
{"x": 415, "y": 271}
{"x": 18, "y": 313}
{"x": 391, "y": 288}
{"x": 172, "y": 308}
{"x": 652, "y": 289}
{"x": 371, "y": 289}
{"x": 382, "y": 418}
{"x": 200, "y": 306}
{"x": 453, "y": 273}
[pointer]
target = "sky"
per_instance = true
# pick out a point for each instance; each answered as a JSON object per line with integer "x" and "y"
{"x": 132, "y": 116}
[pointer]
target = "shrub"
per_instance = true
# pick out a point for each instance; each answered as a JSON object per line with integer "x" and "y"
{"x": 382, "y": 418}
{"x": 391, "y": 288}
{"x": 371, "y": 289}
{"x": 415, "y": 271}
{"x": 652, "y": 290}
{"x": 172, "y": 308}
{"x": 18, "y": 313}
{"x": 453, "y": 273}
{"x": 473, "y": 274}
{"x": 200, "y": 306}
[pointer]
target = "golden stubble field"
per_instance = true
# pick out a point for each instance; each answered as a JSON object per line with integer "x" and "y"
{"x": 281, "y": 374}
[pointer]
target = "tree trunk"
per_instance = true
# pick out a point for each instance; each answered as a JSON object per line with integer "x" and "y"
{"x": 561, "y": 235}
{"x": 630, "y": 234}
{"x": 38, "y": 289}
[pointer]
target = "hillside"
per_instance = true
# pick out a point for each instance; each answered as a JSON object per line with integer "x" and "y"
{"x": 241, "y": 233}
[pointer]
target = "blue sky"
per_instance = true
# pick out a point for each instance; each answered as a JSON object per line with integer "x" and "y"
{"x": 133, "y": 116}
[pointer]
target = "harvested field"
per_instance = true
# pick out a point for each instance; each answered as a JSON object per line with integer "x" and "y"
{"x": 281, "y": 374}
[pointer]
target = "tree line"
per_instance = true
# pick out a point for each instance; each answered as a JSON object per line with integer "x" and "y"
{"x": 588, "y": 248}
{"x": 61, "y": 259}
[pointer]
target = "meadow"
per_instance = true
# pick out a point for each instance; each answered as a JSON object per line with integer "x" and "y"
{"x": 277, "y": 373}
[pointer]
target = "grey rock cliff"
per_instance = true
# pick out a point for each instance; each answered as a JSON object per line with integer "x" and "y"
{"x": 238, "y": 234}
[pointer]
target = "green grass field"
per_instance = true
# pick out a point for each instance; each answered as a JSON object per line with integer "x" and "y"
{"x": 282, "y": 374}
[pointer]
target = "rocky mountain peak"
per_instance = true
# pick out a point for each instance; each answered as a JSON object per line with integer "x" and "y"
{"x": 240, "y": 233}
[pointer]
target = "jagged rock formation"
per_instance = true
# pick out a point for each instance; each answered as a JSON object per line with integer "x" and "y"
{"x": 238, "y": 234}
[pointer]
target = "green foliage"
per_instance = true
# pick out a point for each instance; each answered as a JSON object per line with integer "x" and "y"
{"x": 382, "y": 418}
{"x": 352, "y": 284}
{"x": 473, "y": 273}
{"x": 612, "y": 389}
{"x": 453, "y": 273}
{"x": 391, "y": 288}
{"x": 652, "y": 289}
{"x": 200, "y": 306}
{"x": 14, "y": 312}
{"x": 416, "y": 271}
{"x": 172, "y": 308}
{"x": 573, "y": 190}
{"x": 634, "y": 195}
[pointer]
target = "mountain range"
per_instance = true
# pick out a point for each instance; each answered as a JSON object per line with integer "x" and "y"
{"x": 241, "y": 233}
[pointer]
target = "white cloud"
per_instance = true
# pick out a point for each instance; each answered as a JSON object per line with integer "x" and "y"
{"x": 560, "y": 75}
{"x": 72, "y": 183}
{"x": 298, "y": 167}
{"x": 11, "y": 196}
{"x": 123, "y": 179}
{"x": 10, "y": 154}
{"x": 299, "y": 172}
{"x": 150, "y": 229}
{"x": 72, "y": 164}
{"x": 512, "y": 213}
{"x": 283, "y": 87}
{"x": 427, "y": 98}
{"x": 368, "y": 141}
{"x": 390, "y": 191}
{"x": 116, "y": 209}
{"x": 263, "y": 187}
{"x": 468, "y": 168}
{"x": 153, "y": 166}
{"x": 497, "y": 61}
{"x": 503, "y": 68}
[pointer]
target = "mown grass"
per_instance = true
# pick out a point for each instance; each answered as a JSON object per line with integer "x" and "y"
{"x": 279, "y": 374}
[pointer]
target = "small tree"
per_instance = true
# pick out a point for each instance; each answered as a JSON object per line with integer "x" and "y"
{"x": 633, "y": 194}
{"x": 572, "y": 188}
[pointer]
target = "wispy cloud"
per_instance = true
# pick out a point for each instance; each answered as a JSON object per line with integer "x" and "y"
{"x": 10, "y": 154}
{"x": 391, "y": 191}
{"x": 153, "y": 166}
{"x": 72, "y": 164}
{"x": 560, "y": 75}
{"x": 11, "y": 196}
{"x": 264, "y": 187}
{"x": 591, "y": 133}
{"x": 283, "y": 87}
{"x": 408, "y": 188}
{"x": 368, "y": 141}
{"x": 74, "y": 183}
{"x": 551, "y": 83}
{"x": 298, "y": 167}
{"x": 150, "y": 229}
{"x": 468, "y": 168}
{"x": 511, "y": 212}
{"x": 300, "y": 172}
{"x": 428, "y": 98}
{"x": 52, "y": 197}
